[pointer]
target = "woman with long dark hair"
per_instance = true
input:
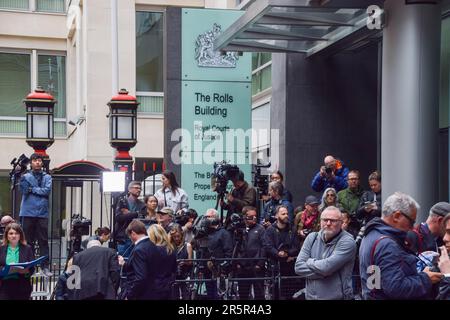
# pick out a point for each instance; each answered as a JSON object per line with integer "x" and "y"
{"x": 17, "y": 285}
{"x": 171, "y": 195}
{"x": 149, "y": 213}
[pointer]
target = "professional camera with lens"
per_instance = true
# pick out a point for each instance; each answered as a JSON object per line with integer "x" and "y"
{"x": 223, "y": 172}
{"x": 80, "y": 225}
{"x": 183, "y": 217}
{"x": 19, "y": 166}
{"x": 236, "y": 222}
{"x": 204, "y": 226}
{"x": 260, "y": 181}
{"x": 328, "y": 169}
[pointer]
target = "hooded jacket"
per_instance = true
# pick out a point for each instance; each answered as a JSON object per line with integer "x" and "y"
{"x": 399, "y": 278}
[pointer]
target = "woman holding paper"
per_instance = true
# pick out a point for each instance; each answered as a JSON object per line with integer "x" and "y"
{"x": 15, "y": 285}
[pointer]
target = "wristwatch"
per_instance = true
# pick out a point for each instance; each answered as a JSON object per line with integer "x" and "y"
{"x": 30, "y": 190}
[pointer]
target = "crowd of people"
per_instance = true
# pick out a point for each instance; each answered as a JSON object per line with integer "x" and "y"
{"x": 345, "y": 244}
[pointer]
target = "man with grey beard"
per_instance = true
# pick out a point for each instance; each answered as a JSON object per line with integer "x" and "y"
{"x": 326, "y": 259}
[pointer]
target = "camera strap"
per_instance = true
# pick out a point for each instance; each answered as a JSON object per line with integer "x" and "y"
{"x": 165, "y": 200}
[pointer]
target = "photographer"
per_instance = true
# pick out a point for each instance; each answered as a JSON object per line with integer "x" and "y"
{"x": 165, "y": 218}
{"x": 252, "y": 247}
{"x": 333, "y": 174}
{"x": 242, "y": 195}
{"x": 370, "y": 204}
{"x": 35, "y": 187}
{"x": 127, "y": 209}
{"x": 218, "y": 246}
{"x": 276, "y": 199}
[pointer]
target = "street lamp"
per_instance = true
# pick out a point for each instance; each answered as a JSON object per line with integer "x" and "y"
{"x": 123, "y": 129}
{"x": 39, "y": 114}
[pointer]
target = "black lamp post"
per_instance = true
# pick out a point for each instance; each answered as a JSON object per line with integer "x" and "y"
{"x": 40, "y": 130}
{"x": 123, "y": 130}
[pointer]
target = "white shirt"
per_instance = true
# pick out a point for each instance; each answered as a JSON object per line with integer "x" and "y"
{"x": 175, "y": 202}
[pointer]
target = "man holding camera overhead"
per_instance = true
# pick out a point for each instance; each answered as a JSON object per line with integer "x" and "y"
{"x": 35, "y": 187}
{"x": 333, "y": 174}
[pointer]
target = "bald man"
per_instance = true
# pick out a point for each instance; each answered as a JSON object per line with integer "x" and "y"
{"x": 333, "y": 174}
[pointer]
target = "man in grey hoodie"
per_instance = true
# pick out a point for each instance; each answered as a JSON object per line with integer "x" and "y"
{"x": 326, "y": 259}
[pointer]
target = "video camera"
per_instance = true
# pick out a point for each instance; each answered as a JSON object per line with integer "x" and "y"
{"x": 80, "y": 226}
{"x": 204, "y": 226}
{"x": 183, "y": 217}
{"x": 223, "y": 172}
{"x": 19, "y": 166}
{"x": 261, "y": 182}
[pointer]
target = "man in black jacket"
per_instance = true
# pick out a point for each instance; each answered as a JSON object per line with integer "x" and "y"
{"x": 99, "y": 272}
{"x": 283, "y": 245}
{"x": 242, "y": 195}
{"x": 251, "y": 247}
{"x": 127, "y": 209}
{"x": 140, "y": 268}
{"x": 219, "y": 245}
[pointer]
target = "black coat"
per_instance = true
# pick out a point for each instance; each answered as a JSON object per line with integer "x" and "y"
{"x": 141, "y": 271}
{"x": 253, "y": 247}
{"x": 100, "y": 273}
{"x": 165, "y": 273}
{"x": 220, "y": 244}
{"x": 286, "y": 239}
{"x": 17, "y": 288}
{"x": 122, "y": 220}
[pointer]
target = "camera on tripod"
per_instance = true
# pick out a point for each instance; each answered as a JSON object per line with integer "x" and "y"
{"x": 183, "y": 217}
{"x": 261, "y": 182}
{"x": 19, "y": 166}
{"x": 80, "y": 226}
{"x": 223, "y": 172}
{"x": 203, "y": 227}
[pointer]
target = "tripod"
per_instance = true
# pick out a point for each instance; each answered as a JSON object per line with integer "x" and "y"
{"x": 220, "y": 198}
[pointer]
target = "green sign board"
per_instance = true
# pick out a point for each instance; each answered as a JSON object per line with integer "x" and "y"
{"x": 215, "y": 104}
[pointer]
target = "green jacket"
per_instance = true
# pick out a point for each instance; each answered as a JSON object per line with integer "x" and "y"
{"x": 349, "y": 200}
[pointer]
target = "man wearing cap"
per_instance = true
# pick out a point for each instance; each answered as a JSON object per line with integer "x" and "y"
{"x": 427, "y": 236}
{"x": 309, "y": 219}
{"x": 164, "y": 217}
{"x": 35, "y": 187}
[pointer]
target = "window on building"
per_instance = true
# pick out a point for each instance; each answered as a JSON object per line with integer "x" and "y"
{"x": 52, "y": 77}
{"x": 50, "y": 5}
{"x": 18, "y": 76}
{"x": 15, "y": 4}
{"x": 35, "y": 5}
{"x": 149, "y": 61}
{"x": 262, "y": 72}
{"x": 15, "y": 83}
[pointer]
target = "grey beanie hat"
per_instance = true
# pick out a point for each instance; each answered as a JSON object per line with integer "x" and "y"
{"x": 440, "y": 208}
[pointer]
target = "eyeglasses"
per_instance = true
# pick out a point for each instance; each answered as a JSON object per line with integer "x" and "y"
{"x": 331, "y": 195}
{"x": 412, "y": 222}
{"x": 332, "y": 221}
{"x": 353, "y": 179}
{"x": 250, "y": 218}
